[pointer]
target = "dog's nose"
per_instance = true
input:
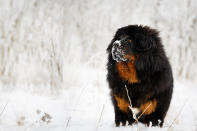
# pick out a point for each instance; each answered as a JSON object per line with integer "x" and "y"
{"x": 117, "y": 43}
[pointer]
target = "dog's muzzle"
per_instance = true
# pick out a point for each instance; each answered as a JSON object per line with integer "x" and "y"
{"x": 117, "y": 51}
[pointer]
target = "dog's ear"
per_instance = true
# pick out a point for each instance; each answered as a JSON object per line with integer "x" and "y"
{"x": 148, "y": 63}
{"x": 143, "y": 65}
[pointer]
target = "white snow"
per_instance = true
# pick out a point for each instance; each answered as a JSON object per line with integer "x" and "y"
{"x": 118, "y": 42}
{"x": 117, "y": 52}
{"x": 53, "y": 61}
{"x": 82, "y": 106}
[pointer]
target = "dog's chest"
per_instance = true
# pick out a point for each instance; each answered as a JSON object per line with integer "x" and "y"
{"x": 127, "y": 72}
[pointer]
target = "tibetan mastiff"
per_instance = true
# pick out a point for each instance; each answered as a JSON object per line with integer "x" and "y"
{"x": 139, "y": 76}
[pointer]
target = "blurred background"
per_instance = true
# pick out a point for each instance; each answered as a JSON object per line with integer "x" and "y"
{"x": 45, "y": 42}
{"x": 51, "y": 46}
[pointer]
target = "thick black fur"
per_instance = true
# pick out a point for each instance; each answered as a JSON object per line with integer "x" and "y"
{"x": 153, "y": 70}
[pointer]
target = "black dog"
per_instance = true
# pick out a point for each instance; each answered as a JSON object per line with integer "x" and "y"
{"x": 139, "y": 76}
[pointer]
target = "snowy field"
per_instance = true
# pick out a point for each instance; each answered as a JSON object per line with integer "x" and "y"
{"x": 53, "y": 62}
{"x": 87, "y": 107}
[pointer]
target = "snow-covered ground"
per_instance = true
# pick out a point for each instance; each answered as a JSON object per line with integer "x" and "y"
{"x": 52, "y": 61}
{"x": 86, "y": 107}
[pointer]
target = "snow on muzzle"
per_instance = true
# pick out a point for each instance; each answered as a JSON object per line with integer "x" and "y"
{"x": 117, "y": 51}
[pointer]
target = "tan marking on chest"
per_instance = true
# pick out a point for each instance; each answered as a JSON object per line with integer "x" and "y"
{"x": 127, "y": 71}
{"x": 122, "y": 104}
{"x": 148, "y": 107}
